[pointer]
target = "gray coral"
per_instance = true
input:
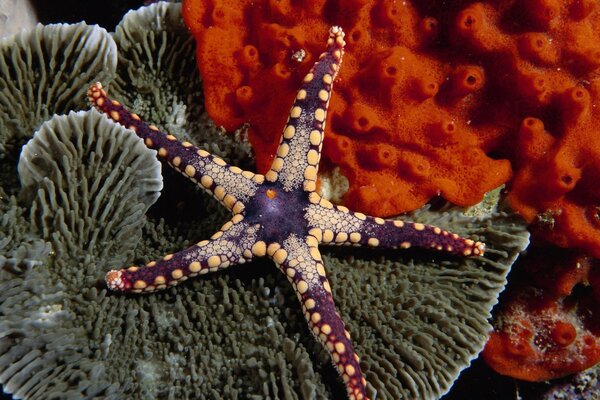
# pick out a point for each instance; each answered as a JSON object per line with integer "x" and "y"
{"x": 46, "y": 70}
{"x": 19, "y": 248}
{"x": 241, "y": 333}
{"x": 582, "y": 386}
{"x": 419, "y": 319}
{"x": 92, "y": 182}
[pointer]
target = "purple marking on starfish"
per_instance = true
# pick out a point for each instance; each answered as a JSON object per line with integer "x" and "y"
{"x": 278, "y": 215}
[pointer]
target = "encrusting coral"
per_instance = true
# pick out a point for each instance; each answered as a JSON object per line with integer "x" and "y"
{"x": 400, "y": 131}
{"x": 434, "y": 99}
{"x": 239, "y": 334}
{"x": 548, "y": 325}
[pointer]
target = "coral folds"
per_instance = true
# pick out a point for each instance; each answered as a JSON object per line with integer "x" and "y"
{"x": 447, "y": 99}
{"x": 548, "y": 325}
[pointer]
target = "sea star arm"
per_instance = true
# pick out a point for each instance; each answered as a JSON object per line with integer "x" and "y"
{"x": 336, "y": 225}
{"x": 230, "y": 245}
{"x": 228, "y": 184}
{"x": 300, "y": 260}
{"x": 297, "y": 160}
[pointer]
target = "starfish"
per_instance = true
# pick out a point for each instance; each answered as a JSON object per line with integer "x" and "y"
{"x": 278, "y": 215}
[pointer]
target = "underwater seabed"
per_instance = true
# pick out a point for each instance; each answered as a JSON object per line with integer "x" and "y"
{"x": 169, "y": 216}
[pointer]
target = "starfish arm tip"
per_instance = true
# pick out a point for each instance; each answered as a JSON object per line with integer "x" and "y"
{"x": 115, "y": 280}
{"x": 94, "y": 93}
{"x": 478, "y": 249}
{"x": 337, "y": 31}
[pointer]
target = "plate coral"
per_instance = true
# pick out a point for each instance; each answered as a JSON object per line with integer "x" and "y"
{"x": 42, "y": 70}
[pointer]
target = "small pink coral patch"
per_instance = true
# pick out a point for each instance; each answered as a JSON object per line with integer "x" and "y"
{"x": 548, "y": 326}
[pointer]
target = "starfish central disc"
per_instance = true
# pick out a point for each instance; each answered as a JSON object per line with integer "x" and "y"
{"x": 279, "y": 213}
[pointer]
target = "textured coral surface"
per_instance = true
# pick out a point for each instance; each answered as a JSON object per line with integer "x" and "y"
{"x": 447, "y": 99}
{"x": 548, "y": 325}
